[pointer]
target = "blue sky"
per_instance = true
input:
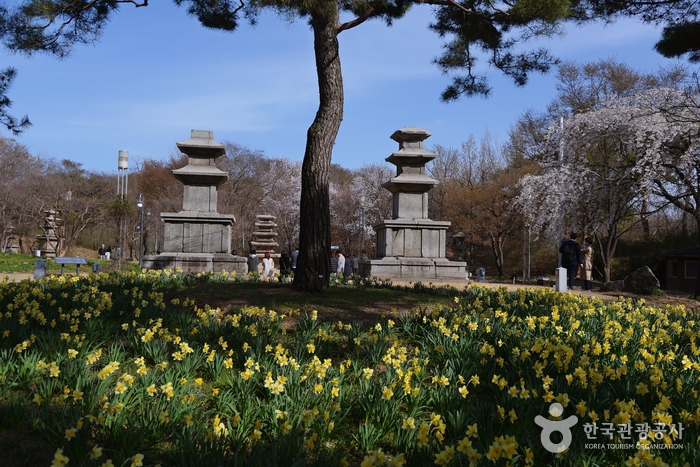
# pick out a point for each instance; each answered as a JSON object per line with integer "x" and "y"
{"x": 156, "y": 74}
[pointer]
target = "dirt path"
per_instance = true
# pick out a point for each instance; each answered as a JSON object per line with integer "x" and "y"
{"x": 659, "y": 301}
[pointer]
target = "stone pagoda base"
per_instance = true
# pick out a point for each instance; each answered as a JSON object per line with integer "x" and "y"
{"x": 196, "y": 262}
{"x": 414, "y": 269}
{"x": 412, "y": 249}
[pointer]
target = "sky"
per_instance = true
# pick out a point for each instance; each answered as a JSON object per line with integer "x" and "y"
{"x": 156, "y": 74}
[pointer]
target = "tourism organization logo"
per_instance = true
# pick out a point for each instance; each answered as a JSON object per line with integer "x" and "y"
{"x": 649, "y": 435}
{"x": 553, "y": 426}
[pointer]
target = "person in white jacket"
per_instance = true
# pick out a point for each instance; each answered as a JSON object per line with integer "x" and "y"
{"x": 268, "y": 265}
{"x": 341, "y": 262}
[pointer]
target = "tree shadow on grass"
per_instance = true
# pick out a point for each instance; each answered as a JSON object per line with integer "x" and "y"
{"x": 346, "y": 304}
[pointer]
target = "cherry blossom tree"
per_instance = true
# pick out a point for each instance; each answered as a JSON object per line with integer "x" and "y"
{"x": 655, "y": 138}
{"x": 367, "y": 182}
{"x": 281, "y": 199}
{"x": 598, "y": 189}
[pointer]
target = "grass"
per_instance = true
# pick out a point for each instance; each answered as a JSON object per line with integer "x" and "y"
{"x": 16, "y": 262}
{"x": 181, "y": 370}
{"x": 22, "y": 263}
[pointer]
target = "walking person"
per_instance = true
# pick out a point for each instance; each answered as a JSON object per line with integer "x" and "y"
{"x": 268, "y": 265}
{"x": 102, "y": 252}
{"x": 571, "y": 258}
{"x": 253, "y": 262}
{"x": 586, "y": 271}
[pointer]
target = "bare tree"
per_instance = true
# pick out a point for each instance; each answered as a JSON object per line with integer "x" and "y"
{"x": 19, "y": 173}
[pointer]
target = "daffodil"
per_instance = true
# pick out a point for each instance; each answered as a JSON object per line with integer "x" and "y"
{"x": 96, "y": 452}
{"x": 137, "y": 460}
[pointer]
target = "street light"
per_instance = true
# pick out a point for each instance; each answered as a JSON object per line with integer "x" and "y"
{"x": 148, "y": 219}
{"x": 139, "y": 204}
{"x": 122, "y": 190}
{"x": 362, "y": 226}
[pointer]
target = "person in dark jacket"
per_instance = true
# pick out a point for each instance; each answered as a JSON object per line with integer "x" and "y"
{"x": 285, "y": 265}
{"x": 253, "y": 262}
{"x": 334, "y": 262}
{"x": 571, "y": 258}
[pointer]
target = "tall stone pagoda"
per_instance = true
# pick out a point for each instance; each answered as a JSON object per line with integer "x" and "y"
{"x": 410, "y": 245}
{"x": 198, "y": 238}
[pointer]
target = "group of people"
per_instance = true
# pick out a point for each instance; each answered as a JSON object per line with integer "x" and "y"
{"x": 346, "y": 266}
{"x": 288, "y": 263}
{"x": 578, "y": 261}
{"x": 104, "y": 253}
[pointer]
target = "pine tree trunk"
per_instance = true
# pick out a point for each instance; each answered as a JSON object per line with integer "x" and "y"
{"x": 313, "y": 266}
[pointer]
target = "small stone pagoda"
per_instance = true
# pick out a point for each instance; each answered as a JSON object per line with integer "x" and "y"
{"x": 410, "y": 245}
{"x": 49, "y": 243}
{"x": 198, "y": 238}
{"x": 264, "y": 237}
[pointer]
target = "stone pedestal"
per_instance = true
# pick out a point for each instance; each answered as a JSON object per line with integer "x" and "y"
{"x": 410, "y": 245}
{"x": 198, "y": 238}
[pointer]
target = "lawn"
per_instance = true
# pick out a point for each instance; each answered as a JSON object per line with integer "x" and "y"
{"x": 171, "y": 369}
{"x": 21, "y": 263}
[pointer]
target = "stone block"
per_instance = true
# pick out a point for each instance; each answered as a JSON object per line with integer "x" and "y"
{"x": 199, "y": 198}
{"x": 409, "y": 206}
{"x": 452, "y": 270}
{"x": 417, "y": 268}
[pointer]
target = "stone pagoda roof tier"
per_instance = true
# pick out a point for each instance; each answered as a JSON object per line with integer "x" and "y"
{"x": 201, "y": 144}
{"x": 200, "y": 175}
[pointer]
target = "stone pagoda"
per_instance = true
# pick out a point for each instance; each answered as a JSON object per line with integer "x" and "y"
{"x": 49, "y": 243}
{"x": 264, "y": 237}
{"x": 198, "y": 238}
{"x": 410, "y": 245}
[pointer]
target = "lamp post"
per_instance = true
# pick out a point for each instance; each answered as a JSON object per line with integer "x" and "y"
{"x": 362, "y": 226}
{"x": 139, "y": 204}
{"x": 122, "y": 190}
{"x": 148, "y": 220}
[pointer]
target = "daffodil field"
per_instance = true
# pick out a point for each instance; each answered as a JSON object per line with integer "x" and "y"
{"x": 108, "y": 372}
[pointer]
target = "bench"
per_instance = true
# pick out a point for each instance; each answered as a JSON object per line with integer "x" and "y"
{"x": 68, "y": 260}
